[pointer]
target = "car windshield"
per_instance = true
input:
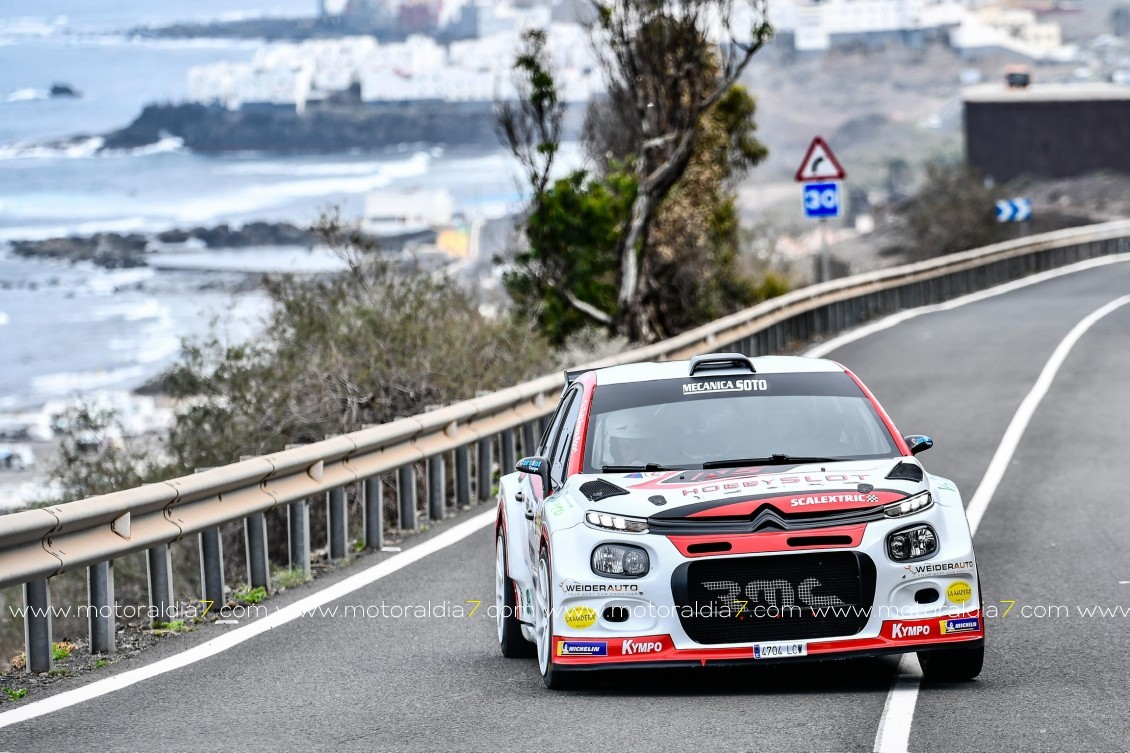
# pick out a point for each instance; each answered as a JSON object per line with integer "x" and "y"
{"x": 684, "y": 423}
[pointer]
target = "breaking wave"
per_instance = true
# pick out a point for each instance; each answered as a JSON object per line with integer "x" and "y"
{"x": 27, "y": 95}
{"x": 87, "y": 148}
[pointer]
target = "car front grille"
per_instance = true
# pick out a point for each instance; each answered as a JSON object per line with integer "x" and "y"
{"x": 775, "y": 597}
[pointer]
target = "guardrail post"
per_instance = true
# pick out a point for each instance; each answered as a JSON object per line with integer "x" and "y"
{"x": 506, "y": 439}
{"x": 406, "y": 495}
{"x": 159, "y": 569}
{"x": 100, "y": 595}
{"x": 298, "y": 529}
{"x": 436, "y": 497}
{"x": 528, "y": 441}
{"x": 37, "y": 625}
{"x": 484, "y": 470}
{"x": 337, "y": 524}
{"x": 374, "y": 513}
{"x": 212, "y": 567}
{"x": 255, "y": 542}
{"x": 462, "y": 476}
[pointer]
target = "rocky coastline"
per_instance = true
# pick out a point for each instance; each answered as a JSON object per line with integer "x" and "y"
{"x": 122, "y": 251}
{"x": 322, "y": 129}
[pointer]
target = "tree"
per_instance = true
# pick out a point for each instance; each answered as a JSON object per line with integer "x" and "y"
{"x": 684, "y": 257}
{"x": 564, "y": 279}
{"x": 660, "y": 54}
{"x": 693, "y": 247}
{"x": 695, "y": 244}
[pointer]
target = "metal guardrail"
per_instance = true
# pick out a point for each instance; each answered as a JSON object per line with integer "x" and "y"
{"x": 36, "y": 545}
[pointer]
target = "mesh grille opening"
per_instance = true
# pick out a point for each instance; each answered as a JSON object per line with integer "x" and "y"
{"x": 775, "y": 598}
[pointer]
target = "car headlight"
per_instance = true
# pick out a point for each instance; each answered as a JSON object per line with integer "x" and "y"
{"x": 908, "y": 506}
{"x": 623, "y": 560}
{"x": 611, "y": 522}
{"x": 914, "y": 543}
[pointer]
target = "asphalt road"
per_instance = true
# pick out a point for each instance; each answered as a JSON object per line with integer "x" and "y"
{"x": 1054, "y": 536}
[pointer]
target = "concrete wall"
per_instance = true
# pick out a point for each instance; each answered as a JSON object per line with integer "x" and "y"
{"x": 1054, "y": 139}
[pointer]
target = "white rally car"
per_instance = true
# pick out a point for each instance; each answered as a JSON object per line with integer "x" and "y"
{"x": 725, "y": 510}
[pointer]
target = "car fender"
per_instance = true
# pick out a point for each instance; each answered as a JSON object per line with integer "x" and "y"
{"x": 512, "y": 518}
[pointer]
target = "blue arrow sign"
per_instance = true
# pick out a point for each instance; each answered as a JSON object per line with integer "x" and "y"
{"x": 821, "y": 200}
{"x": 1014, "y": 210}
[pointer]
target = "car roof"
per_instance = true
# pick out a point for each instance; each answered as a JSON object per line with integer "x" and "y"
{"x": 647, "y": 372}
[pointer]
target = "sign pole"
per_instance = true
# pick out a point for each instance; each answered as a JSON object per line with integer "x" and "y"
{"x": 825, "y": 273}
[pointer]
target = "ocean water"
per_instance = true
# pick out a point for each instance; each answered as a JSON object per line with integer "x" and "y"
{"x": 66, "y": 329}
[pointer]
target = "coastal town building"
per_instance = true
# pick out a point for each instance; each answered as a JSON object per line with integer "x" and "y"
{"x": 419, "y": 68}
{"x": 472, "y": 59}
{"x": 966, "y": 25}
{"x": 401, "y": 211}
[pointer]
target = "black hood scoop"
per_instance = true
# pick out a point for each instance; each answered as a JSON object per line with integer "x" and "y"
{"x": 601, "y": 489}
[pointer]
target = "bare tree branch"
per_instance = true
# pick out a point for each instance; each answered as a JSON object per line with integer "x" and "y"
{"x": 587, "y": 309}
{"x": 531, "y": 126}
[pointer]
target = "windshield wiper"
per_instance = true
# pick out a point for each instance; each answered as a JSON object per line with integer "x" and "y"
{"x": 635, "y": 468}
{"x": 774, "y": 459}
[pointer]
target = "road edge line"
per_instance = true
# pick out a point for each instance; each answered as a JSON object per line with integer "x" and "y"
{"x": 893, "y": 735}
{"x": 821, "y": 350}
{"x": 239, "y": 635}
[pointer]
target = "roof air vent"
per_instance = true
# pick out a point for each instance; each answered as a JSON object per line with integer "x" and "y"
{"x": 711, "y": 361}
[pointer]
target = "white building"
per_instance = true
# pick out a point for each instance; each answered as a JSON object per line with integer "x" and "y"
{"x": 479, "y": 70}
{"x": 406, "y": 211}
{"x": 1010, "y": 29}
{"x": 819, "y": 25}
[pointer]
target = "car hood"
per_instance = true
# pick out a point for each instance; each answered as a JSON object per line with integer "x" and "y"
{"x": 739, "y": 492}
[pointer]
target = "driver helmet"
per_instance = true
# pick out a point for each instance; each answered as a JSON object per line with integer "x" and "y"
{"x": 630, "y": 442}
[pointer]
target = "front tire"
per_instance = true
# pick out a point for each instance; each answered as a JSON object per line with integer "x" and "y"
{"x": 951, "y": 664}
{"x": 553, "y": 677}
{"x": 510, "y": 639}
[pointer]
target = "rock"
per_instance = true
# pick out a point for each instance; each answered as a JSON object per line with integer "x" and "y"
{"x": 117, "y": 251}
{"x": 64, "y": 90}
{"x": 173, "y": 236}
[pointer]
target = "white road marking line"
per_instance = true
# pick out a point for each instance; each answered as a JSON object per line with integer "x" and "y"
{"x": 1003, "y": 456}
{"x": 893, "y": 735}
{"x": 823, "y": 349}
{"x": 901, "y": 699}
{"x": 237, "y": 636}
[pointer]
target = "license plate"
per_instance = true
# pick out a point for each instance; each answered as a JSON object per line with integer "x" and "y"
{"x": 779, "y": 650}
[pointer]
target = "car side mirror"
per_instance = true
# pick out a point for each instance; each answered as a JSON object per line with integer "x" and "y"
{"x": 918, "y": 443}
{"x": 536, "y": 466}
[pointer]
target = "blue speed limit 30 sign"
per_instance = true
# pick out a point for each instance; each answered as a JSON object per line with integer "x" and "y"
{"x": 821, "y": 200}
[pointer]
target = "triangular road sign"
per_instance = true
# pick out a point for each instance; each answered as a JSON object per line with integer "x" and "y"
{"x": 819, "y": 163}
